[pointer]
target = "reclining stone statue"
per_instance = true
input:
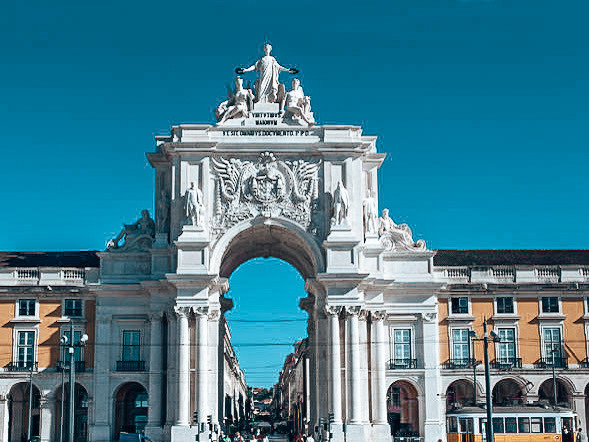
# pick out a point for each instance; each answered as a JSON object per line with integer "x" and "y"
{"x": 137, "y": 235}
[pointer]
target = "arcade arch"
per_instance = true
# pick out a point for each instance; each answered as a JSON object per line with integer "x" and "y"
{"x": 563, "y": 392}
{"x": 131, "y": 405}
{"x": 18, "y": 412}
{"x": 403, "y": 409}
{"x": 459, "y": 394}
{"x": 508, "y": 392}
{"x": 80, "y": 413}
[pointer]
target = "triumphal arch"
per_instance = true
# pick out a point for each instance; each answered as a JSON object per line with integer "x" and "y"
{"x": 268, "y": 180}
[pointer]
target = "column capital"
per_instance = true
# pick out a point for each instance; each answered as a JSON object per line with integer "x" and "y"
{"x": 214, "y": 314}
{"x": 352, "y": 310}
{"x": 363, "y": 315}
{"x": 378, "y": 315}
{"x": 182, "y": 312}
{"x": 331, "y": 310}
{"x": 429, "y": 317}
{"x": 156, "y": 316}
{"x": 201, "y": 311}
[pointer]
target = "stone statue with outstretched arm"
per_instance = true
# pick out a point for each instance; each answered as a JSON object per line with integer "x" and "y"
{"x": 267, "y": 85}
{"x": 145, "y": 226}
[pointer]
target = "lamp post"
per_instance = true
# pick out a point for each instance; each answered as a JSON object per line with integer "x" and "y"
{"x": 30, "y": 423}
{"x": 488, "y": 401}
{"x": 554, "y": 397}
{"x": 71, "y": 352}
{"x": 63, "y": 341}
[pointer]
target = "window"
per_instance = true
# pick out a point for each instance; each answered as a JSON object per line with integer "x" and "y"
{"x": 505, "y": 305}
{"x": 27, "y": 307}
{"x": 552, "y": 344}
{"x": 141, "y": 400}
{"x": 452, "y": 425}
{"x": 402, "y": 346}
{"x": 550, "y": 304}
{"x": 131, "y": 345}
{"x": 536, "y": 425}
{"x": 550, "y": 425}
{"x": 524, "y": 424}
{"x": 396, "y": 396}
{"x": 26, "y": 348}
{"x": 466, "y": 425}
{"x": 459, "y": 306}
{"x": 460, "y": 344}
{"x": 73, "y": 307}
{"x": 506, "y": 354}
{"x": 498, "y": 425}
{"x": 78, "y": 348}
{"x": 510, "y": 425}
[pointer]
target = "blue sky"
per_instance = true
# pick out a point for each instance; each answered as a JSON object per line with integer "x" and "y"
{"x": 481, "y": 106}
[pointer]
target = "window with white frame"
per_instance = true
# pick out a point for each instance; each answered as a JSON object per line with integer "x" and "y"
{"x": 505, "y": 305}
{"x": 25, "y": 351}
{"x": 507, "y": 351}
{"x": 550, "y": 304}
{"x": 78, "y": 347}
{"x": 73, "y": 308}
{"x": 131, "y": 345}
{"x": 459, "y": 305}
{"x": 460, "y": 345}
{"x": 27, "y": 307}
{"x": 552, "y": 344}
{"x": 402, "y": 346}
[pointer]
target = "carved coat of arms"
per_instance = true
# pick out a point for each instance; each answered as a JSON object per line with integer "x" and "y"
{"x": 268, "y": 187}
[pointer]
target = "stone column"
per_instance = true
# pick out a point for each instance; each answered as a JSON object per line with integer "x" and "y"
{"x": 183, "y": 368}
{"x": 3, "y": 419}
{"x": 335, "y": 379}
{"x": 104, "y": 358}
{"x": 433, "y": 419}
{"x": 202, "y": 360}
{"x": 155, "y": 375}
{"x": 46, "y": 419}
{"x": 363, "y": 352}
{"x": 355, "y": 386}
{"x": 379, "y": 404}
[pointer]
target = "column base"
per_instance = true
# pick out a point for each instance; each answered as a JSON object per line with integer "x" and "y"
{"x": 182, "y": 433}
{"x": 381, "y": 432}
{"x": 100, "y": 432}
{"x": 358, "y": 433}
{"x": 433, "y": 431}
{"x": 155, "y": 432}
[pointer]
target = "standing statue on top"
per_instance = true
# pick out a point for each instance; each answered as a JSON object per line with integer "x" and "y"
{"x": 267, "y": 84}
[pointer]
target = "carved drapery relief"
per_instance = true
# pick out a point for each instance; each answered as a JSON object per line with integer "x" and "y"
{"x": 269, "y": 187}
{"x": 395, "y": 237}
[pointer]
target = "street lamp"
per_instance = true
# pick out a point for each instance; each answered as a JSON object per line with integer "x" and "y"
{"x": 554, "y": 398}
{"x": 71, "y": 350}
{"x": 489, "y": 405}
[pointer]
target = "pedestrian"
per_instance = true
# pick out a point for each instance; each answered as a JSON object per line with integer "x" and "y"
{"x": 238, "y": 438}
{"x": 265, "y": 438}
{"x": 252, "y": 438}
{"x": 310, "y": 438}
{"x": 580, "y": 435}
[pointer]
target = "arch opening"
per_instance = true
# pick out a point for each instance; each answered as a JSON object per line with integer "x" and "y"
{"x": 80, "y": 413}
{"x": 271, "y": 240}
{"x": 131, "y": 405}
{"x": 403, "y": 409}
{"x": 460, "y": 394}
{"x": 563, "y": 393}
{"x": 508, "y": 392}
{"x": 18, "y": 412}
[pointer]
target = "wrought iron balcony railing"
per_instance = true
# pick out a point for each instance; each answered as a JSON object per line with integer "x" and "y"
{"x": 506, "y": 364}
{"x": 456, "y": 364}
{"x": 79, "y": 366}
{"x": 130, "y": 365}
{"x": 400, "y": 364}
{"x": 22, "y": 366}
{"x": 561, "y": 362}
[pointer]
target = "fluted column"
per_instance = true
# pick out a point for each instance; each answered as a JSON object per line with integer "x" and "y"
{"x": 47, "y": 406}
{"x": 335, "y": 379}
{"x": 183, "y": 369}
{"x": 202, "y": 360}
{"x": 155, "y": 368}
{"x": 379, "y": 410}
{"x": 355, "y": 388}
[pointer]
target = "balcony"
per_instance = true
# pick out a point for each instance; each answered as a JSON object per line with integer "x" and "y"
{"x": 561, "y": 362}
{"x": 402, "y": 364}
{"x": 460, "y": 364}
{"x": 130, "y": 365}
{"x": 506, "y": 364}
{"x": 79, "y": 366}
{"x": 584, "y": 363}
{"x": 22, "y": 366}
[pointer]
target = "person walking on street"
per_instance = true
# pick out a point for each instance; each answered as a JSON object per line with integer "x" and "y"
{"x": 580, "y": 435}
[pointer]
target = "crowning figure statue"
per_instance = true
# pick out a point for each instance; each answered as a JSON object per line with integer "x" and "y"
{"x": 238, "y": 105}
{"x": 297, "y": 104}
{"x": 267, "y": 83}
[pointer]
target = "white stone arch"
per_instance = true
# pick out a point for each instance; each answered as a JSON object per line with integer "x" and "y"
{"x": 419, "y": 397}
{"x": 522, "y": 383}
{"x": 116, "y": 423}
{"x": 309, "y": 261}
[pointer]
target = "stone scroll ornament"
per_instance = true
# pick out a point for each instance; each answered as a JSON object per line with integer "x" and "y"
{"x": 268, "y": 187}
{"x": 395, "y": 237}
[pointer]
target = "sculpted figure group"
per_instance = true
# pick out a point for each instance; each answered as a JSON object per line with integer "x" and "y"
{"x": 268, "y": 89}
